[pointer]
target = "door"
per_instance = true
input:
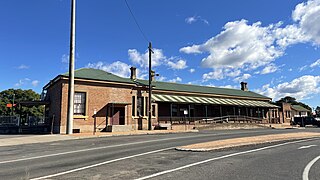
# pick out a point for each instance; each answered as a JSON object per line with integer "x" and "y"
{"x": 118, "y": 116}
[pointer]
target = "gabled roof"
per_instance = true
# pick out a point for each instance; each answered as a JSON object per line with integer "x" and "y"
{"x": 300, "y": 108}
{"x": 96, "y": 74}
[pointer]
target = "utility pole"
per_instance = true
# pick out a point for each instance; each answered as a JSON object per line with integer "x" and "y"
{"x": 150, "y": 88}
{"x": 71, "y": 68}
{"x": 12, "y": 110}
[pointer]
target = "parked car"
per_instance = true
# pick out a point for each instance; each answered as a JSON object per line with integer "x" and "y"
{"x": 303, "y": 121}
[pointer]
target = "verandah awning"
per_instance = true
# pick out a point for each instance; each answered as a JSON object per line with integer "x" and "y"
{"x": 206, "y": 100}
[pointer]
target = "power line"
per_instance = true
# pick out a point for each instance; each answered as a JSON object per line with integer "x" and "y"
{"x": 135, "y": 20}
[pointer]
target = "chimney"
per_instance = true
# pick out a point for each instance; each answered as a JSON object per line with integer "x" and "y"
{"x": 244, "y": 86}
{"x": 133, "y": 73}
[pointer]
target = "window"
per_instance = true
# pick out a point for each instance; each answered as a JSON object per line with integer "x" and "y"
{"x": 140, "y": 105}
{"x": 174, "y": 110}
{"x": 153, "y": 113}
{"x": 133, "y": 105}
{"x": 79, "y": 103}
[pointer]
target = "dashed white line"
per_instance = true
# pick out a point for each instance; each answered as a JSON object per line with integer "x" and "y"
{"x": 112, "y": 146}
{"x": 220, "y": 157}
{"x": 305, "y": 174}
{"x": 306, "y": 147}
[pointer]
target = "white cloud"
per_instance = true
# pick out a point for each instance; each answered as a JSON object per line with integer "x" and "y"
{"x": 269, "y": 69}
{"x": 307, "y": 15}
{"x": 65, "y": 58}
{"x": 175, "y": 80}
{"x": 35, "y": 83}
{"x": 249, "y": 46}
{"x": 242, "y": 78}
{"x": 299, "y": 88}
{"x": 158, "y": 58}
{"x": 192, "y": 70}
{"x": 143, "y": 59}
{"x": 228, "y": 86}
{"x": 180, "y": 64}
{"x": 22, "y": 82}
{"x": 22, "y": 66}
{"x": 303, "y": 68}
{"x": 193, "y": 19}
{"x": 220, "y": 73}
{"x": 315, "y": 64}
{"x": 240, "y": 45}
{"x": 118, "y": 68}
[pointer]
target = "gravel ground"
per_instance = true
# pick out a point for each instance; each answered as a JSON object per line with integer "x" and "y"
{"x": 236, "y": 142}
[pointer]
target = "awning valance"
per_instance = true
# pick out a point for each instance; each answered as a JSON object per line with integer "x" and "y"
{"x": 207, "y": 100}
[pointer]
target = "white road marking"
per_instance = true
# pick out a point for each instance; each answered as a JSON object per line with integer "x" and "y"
{"x": 99, "y": 164}
{"x": 112, "y": 146}
{"x": 305, "y": 147}
{"x": 305, "y": 174}
{"x": 221, "y": 157}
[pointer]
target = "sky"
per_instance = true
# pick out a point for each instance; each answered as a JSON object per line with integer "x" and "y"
{"x": 272, "y": 45}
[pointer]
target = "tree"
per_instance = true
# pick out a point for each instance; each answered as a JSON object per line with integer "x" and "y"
{"x": 18, "y": 95}
{"x": 287, "y": 99}
{"x": 292, "y": 101}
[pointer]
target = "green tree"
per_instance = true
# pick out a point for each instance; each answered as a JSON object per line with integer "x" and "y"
{"x": 19, "y": 95}
{"x": 287, "y": 99}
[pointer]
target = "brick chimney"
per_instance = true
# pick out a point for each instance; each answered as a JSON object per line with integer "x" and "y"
{"x": 244, "y": 86}
{"x": 133, "y": 73}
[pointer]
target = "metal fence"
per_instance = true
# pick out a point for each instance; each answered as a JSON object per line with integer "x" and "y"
{"x": 209, "y": 120}
{"x": 9, "y": 121}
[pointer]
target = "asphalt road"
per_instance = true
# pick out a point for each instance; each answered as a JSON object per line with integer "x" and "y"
{"x": 154, "y": 157}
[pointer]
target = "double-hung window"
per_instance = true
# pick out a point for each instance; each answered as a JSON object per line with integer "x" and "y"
{"x": 80, "y": 103}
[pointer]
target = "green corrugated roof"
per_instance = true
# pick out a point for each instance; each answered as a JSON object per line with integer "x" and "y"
{"x": 299, "y": 108}
{"x": 96, "y": 74}
{"x": 202, "y": 89}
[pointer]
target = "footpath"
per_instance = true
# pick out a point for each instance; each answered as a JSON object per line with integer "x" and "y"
{"x": 11, "y": 140}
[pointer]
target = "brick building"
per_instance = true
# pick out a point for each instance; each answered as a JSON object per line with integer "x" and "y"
{"x": 289, "y": 111}
{"x": 121, "y": 103}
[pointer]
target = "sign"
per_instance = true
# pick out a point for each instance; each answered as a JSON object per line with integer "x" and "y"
{"x": 185, "y": 112}
{"x": 10, "y": 105}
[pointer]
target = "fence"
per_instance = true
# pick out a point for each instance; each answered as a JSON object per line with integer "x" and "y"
{"x": 209, "y": 120}
{"x": 9, "y": 121}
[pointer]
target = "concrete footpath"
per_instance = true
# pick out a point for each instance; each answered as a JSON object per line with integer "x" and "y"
{"x": 11, "y": 140}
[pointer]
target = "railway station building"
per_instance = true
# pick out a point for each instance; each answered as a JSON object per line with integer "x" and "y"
{"x": 115, "y": 103}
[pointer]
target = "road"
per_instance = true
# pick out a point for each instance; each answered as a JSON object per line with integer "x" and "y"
{"x": 154, "y": 157}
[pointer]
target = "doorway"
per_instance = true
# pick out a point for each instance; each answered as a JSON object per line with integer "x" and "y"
{"x": 118, "y": 115}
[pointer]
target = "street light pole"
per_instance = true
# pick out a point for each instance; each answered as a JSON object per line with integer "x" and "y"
{"x": 71, "y": 69}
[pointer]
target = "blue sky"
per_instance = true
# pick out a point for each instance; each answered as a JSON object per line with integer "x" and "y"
{"x": 273, "y": 45}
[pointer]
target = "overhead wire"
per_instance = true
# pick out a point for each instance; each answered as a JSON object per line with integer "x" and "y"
{"x": 136, "y": 22}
